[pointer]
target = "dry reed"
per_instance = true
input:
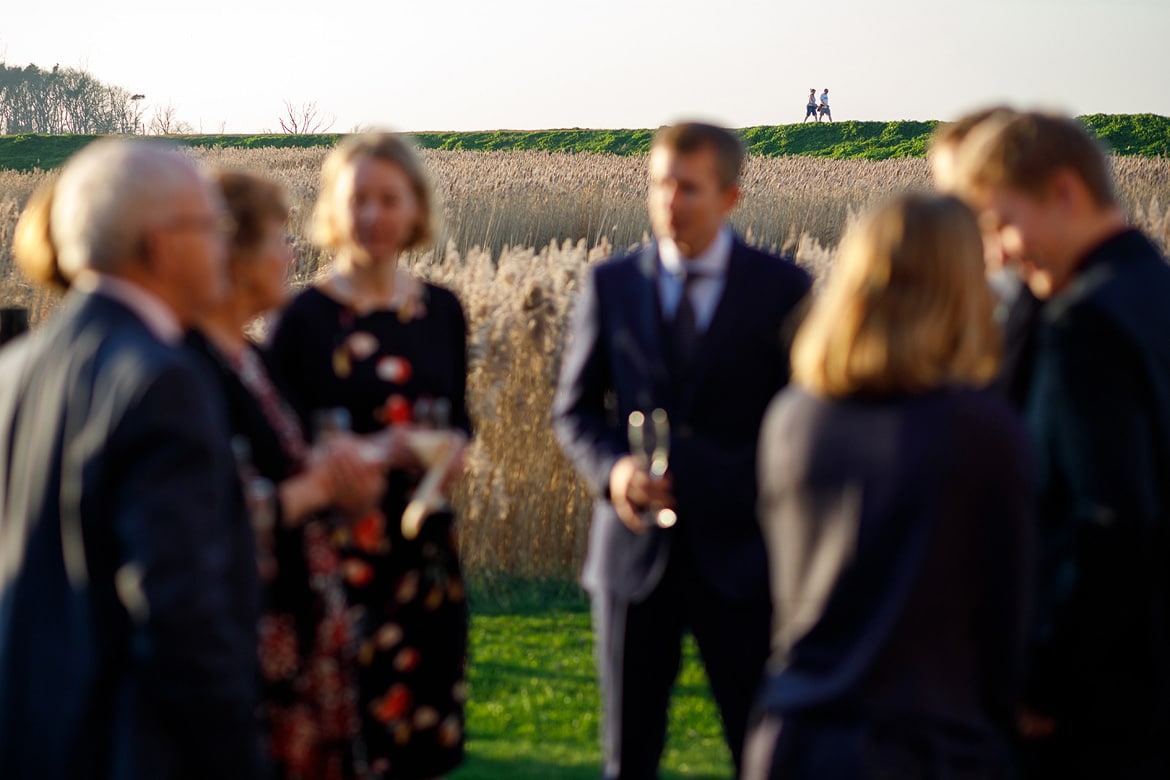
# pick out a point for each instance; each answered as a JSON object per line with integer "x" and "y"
{"x": 518, "y": 229}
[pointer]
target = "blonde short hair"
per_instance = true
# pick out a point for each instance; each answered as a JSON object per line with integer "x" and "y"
{"x": 387, "y": 147}
{"x": 1022, "y": 152}
{"x": 906, "y": 307}
{"x": 942, "y": 150}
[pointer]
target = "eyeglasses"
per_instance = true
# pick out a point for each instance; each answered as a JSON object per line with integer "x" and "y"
{"x": 221, "y": 224}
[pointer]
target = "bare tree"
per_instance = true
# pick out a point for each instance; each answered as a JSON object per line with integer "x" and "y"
{"x": 304, "y": 120}
{"x": 165, "y": 121}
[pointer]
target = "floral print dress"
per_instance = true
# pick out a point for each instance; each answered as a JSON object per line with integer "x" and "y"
{"x": 405, "y": 600}
{"x": 308, "y": 701}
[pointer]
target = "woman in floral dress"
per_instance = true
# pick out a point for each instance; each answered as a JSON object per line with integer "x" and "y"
{"x": 391, "y": 350}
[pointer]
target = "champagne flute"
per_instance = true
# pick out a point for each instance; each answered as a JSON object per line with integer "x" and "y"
{"x": 650, "y": 446}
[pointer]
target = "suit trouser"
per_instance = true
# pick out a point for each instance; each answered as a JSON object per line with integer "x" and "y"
{"x": 639, "y": 648}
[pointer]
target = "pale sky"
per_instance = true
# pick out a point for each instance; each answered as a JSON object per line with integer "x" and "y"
{"x": 539, "y": 64}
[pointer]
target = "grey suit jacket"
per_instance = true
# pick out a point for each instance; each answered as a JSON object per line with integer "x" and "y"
{"x": 128, "y": 592}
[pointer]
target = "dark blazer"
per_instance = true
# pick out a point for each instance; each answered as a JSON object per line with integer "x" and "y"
{"x": 1100, "y": 415}
{"x": 614, "y": 365}
{"x": 900, "y": 541}
{"x": 128, "y": 592}
{"x": 245, "y": 416}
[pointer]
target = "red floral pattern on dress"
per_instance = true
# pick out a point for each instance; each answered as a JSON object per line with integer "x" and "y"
{"x": 278, "y": 646}
{"x": 393, "y": 705}
{"x": 314, "y": 729}
{"x": 369, "y": 532}
{"x": 358, "y": 573}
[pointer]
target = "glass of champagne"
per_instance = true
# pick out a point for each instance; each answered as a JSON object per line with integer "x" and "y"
{"x": 649, "y": 440}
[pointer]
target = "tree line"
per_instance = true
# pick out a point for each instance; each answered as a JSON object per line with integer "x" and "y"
{"x": 65, "y": 100}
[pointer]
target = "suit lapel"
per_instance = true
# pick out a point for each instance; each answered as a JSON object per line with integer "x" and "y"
{"x": 648, "y": 327}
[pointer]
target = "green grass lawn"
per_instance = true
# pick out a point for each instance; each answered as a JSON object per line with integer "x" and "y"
{"x": 533, "y": 711}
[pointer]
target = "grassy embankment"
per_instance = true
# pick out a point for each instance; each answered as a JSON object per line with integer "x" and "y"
{"x": 1145, "y": 135}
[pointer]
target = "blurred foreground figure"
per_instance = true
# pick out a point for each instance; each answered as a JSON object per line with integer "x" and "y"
{"x": 305, "y": 655}
{"x": 896, "y": 500}
{"x": 1097, "y": 702}
{"x": 128, "y": 593}
{"x": 1018, "y": 310}
{"x": 391, "y": 350}
{"x": 690, "y": 333}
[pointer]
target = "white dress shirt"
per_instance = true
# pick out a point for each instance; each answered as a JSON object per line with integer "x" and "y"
{"x": 156, "y": 315}
{"x": 706, "y": 290}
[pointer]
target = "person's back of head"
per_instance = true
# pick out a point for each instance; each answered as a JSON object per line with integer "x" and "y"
{"x": 905, "y": 309}
{"x": 32, "y": 241}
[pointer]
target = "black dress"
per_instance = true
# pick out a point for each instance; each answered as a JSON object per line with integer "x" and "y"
{"x": 305, "y": 646}
{"x": 406, "y": 597}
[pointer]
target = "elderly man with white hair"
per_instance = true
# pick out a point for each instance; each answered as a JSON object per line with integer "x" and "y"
{"x": 128, "y": 592}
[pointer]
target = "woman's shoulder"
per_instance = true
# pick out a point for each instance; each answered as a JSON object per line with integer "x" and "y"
{"x": 437, "y": 292}
{"x": 442, "y": 301}
{"x": 308, "y": 305}
{"x": 311, "y": 298}
{"x": 976, "y": 419}
{"x": 981, "y": 406}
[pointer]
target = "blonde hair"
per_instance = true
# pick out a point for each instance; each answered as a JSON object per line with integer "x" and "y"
{"x": 387, "y": 147}
{"x": 1024, "y": 151}
{"x": 32, "y": 242}
{"x": 942, "y": 149}
{"x": 906, "y": 307}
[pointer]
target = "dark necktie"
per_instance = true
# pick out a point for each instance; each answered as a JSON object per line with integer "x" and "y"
{"x": 683, "y": 333}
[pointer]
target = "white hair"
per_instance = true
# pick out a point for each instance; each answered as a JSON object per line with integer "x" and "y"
{"x": 108, "y": 195}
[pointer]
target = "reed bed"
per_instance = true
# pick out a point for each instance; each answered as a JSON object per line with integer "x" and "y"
{"x": 517, "y": 231}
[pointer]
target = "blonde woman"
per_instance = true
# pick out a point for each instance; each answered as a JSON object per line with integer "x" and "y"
{"x": 895, "y": 499}
{"x": 372, "y": 339}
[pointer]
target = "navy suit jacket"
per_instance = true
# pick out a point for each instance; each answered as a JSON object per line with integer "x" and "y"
{"x": 1100, "y": 416}
{"x": 614, "y": 365}
{"x": 128, "y": 588}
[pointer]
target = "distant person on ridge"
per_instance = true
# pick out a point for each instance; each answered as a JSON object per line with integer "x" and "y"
{"x": 811, "y": 108}
{"x": 825, "y": 106}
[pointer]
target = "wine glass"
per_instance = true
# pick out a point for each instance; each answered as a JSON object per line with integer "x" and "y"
{"x": 650, "y": 445}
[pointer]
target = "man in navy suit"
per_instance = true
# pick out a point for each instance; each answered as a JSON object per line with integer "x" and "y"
{"x": 1098, "y": 700}
{"x": 128, "y": 590}
{"x": 697, "y": 324}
